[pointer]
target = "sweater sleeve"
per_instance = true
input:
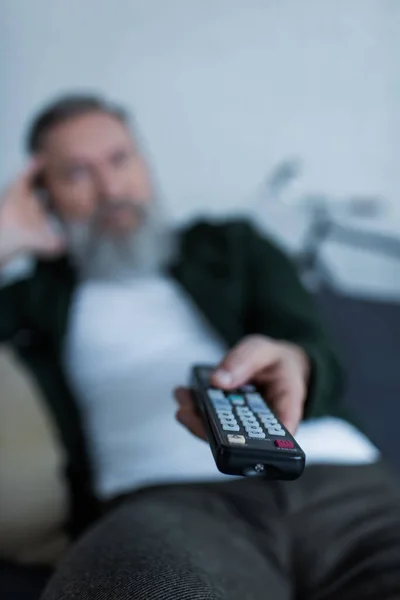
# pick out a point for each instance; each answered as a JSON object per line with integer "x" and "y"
{"x": 13, "y": 283}
{"x": 279, "y": 306}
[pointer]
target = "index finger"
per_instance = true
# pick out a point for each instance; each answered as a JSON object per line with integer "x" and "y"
{"x": 245, "y": 361}
{"x": 30, "y": 172}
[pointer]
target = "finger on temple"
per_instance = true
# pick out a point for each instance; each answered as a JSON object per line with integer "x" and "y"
{"x": 31, "y": 171}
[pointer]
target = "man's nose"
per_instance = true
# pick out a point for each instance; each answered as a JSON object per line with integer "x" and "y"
{"x": 108, "y": 185}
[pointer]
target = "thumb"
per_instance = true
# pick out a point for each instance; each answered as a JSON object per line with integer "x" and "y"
{"x": 47, "y": 242}
{"x": 245, "y": 361}
{"x": 51, "y": 245}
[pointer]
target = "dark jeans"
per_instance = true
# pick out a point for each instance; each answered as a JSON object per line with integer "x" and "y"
{"x": 332, "y": 535}
{"x": 19, "y": 582}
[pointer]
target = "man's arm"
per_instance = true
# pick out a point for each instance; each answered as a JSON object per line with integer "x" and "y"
{"x": 9, "y": 311}
{"x": 13, "y": 290}
{"x": 281, "y": 308}
{"x": 286, "y": 350}
{"x": 24, "y": 229}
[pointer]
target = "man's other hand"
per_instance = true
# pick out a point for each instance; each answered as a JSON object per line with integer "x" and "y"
{"x": 24, "y": 224}
{"x": 280, "y": 369}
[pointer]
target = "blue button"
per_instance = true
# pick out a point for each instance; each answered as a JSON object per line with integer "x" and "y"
{"x": 236, "y": 400}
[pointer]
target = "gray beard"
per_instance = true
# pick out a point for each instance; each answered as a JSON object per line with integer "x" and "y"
{"x": 121, "y": 258}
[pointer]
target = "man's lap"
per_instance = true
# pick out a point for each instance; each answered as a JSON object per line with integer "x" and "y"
{"x": 334, "y": 533}
{"x": 21, "y": 582}
{"x": 346, "y": 528}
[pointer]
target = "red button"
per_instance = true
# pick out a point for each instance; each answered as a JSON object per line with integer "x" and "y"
{"x": 284, "y": 444}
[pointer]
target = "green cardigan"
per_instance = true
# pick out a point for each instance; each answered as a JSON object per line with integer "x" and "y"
{"x": 240, "y": 281}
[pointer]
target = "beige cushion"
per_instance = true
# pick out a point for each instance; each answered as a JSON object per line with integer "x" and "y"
{"x": 32, "y": 493}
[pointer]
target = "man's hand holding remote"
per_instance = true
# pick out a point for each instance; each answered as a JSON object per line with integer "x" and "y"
{"x": 280, "y": 368}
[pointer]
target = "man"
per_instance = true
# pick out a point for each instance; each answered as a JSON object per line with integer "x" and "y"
{"x": 109, "y": 317}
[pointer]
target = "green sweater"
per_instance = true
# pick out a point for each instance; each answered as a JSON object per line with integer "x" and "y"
{"x": 240, "y": 281}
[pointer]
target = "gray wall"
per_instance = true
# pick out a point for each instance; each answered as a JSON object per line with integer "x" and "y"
{"x": 225, "y": 89}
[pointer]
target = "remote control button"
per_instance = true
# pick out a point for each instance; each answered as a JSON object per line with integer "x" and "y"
{"x": 264, "y": 411}
{"x": 214, "y": 394}
{"x": 249, "y": 421}
{"x": 228, "y": 427}
{"x": 231, "y": 423}
{"x": 250, "y": 428}
{"x": 227, "y": 421}
{"x": 255, "y": 401}
{"x": 268, "y": 421}
{"x": 276, "y": 427}
{"x": 224, "y": 413}
{"x": 236, "y": 439}
{"x": 247, "y": 416}
{"x": 287, "y": 444}
{"x": 255, "y": 433}
{"x": 268, "y": 417}
{"x": 260, "y": 435}
{"x": 248, "y": 388}
{"x": 274, "y": 431}
{"x": 243, "y": 410}
{"x": 236, "y": 400}
{"x": 222, "y": 407}
{"x": 220, "y": 400}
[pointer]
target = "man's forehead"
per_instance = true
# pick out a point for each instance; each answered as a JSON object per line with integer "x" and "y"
{"x": 87, "y": 135}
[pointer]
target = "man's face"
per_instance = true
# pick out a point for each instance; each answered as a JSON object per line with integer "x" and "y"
{"x": 95, "y": 174}
{"x": 99, "y": 186}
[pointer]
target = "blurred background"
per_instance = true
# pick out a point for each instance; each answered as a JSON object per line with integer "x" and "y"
{"x": 285, "y": 110}
{"x": 224, "y": 91}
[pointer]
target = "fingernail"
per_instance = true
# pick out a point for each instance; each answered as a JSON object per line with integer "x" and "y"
{"x": 223, "y": 377}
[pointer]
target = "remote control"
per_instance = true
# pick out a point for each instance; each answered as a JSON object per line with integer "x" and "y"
{"x": 245, "y": 436}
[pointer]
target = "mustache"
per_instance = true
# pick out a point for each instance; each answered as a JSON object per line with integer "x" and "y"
{"x": 103, "y": 257}
{"x": 113, "y": 205}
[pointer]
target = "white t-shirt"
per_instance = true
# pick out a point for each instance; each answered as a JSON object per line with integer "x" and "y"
{"x": 128, "y": 346}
